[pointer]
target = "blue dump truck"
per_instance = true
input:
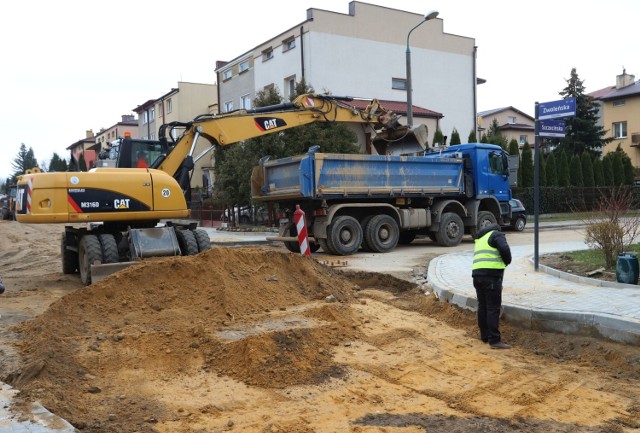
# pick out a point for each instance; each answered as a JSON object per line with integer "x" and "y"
{"x": 374, "y": 202}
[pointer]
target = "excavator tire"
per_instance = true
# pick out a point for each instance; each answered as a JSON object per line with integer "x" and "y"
{"x": 109, "y": 248}
{"x": 69, "y": 257}
{"x": 202, "y": 239}
{"x": 89, "y": 252}
{"x": 187, "y": 242}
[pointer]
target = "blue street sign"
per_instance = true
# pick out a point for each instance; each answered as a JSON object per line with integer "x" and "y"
{"x": 557, "y": 109}
{"x": 551, "y": 128}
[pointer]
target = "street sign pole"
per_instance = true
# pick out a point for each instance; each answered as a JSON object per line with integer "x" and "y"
{"x": 536, "y": 191}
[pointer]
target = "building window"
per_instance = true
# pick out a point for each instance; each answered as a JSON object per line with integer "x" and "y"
{"x": 523, "y": 139}
{"x": 620, "y": 130}
{"x": 288, "y": 44}
{"x": 267, "y": 54}
{"x": 290, "y": 86}
{"x": 152, "y": 114}
{"x": 245, "y": 102}
{"x": 145, "y": 117}
{"x": 511, "y": 120}
{"x": 169, "y": 106}
{"x": 244, "y": 66}
{"x": 618, "y": 103}
{"x": 399, "y": 83}
{"x": 228, "y": 106}
{"x": 226, "y": 75}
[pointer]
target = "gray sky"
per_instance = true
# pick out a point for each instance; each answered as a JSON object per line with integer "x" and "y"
{"x": 74, "y": 65}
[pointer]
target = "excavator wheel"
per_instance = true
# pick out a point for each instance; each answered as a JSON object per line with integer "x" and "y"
{"x": 89, "y": 251}
{"x": 202, "y": 239}
{"x": 69, "y": 257}
{"x": 187, "y": 242}
{"x": 109, "y": 248}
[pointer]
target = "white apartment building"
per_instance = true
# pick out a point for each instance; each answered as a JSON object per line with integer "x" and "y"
{"x": 363, "y": 54}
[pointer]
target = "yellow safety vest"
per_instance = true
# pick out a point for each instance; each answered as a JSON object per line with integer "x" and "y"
{"x": 485, "y": 256}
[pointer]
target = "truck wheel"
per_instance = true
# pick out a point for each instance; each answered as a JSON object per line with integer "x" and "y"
{"x": 69, "y": 257}
{"x": 451, "y": 230}
{"x": 109, "y": 248}
{"x": 485, "y": 219}
{"x": 406, "y": 238}
{"x": 89, "y": 252}
{"x": 364, "y": 223}
{"x": 519, "y": 224}
{"x": 344, "y": 235}
{"x": 202, "y": 239}
{"x": 187, "y": 242}
{"x": 325, "y": 246}
{"x": 382, "y": 233}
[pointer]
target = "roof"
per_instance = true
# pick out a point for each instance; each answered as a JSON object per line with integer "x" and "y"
{"x": 397, "y": 107}
{"x": 502, "y": 109}
{"x": 602, "y": 92}
{"x": 518, "y": 126}
{"x": 630, "y": 90}
{"x": 83, "y": 141}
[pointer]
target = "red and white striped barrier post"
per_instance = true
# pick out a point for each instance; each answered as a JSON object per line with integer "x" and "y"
{"x": 301, "y": 227}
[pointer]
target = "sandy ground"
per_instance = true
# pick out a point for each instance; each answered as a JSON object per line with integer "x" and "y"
{"x": 257, "y": 339}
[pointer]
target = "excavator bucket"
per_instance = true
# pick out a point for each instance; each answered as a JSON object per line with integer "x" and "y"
{"x": 402, "y": 141}
{"x": 102, "y": 271}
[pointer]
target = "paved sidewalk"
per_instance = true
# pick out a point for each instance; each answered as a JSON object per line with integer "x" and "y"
{"x": 543, "y": 301}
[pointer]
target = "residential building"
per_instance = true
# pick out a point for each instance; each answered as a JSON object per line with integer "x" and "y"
{"x": 620, "y": 115}
{"x": 359, "y": 54}
{"x": 181, "y": 104}
{"x": 84, "y": 148}
{"x": 128, "y": 125}
{"x": 513, "y": 123}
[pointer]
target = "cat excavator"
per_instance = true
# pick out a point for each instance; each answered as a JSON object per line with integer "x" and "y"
{"x": 119, "y": 215}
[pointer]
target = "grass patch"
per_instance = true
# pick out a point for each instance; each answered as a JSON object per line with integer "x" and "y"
{"x": 594, "y": 259}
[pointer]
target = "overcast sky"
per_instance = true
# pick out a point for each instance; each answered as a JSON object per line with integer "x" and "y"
{"x": 70, "y": 66}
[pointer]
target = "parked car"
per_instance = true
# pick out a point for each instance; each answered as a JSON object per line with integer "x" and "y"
{"x": 518, "y": 215}
{"x": 244, "y": 215}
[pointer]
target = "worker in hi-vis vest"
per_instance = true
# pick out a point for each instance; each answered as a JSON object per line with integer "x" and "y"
{"x": 491, "y": 256}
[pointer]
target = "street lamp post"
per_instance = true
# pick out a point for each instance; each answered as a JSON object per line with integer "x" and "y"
{"x": 431, "y": 15}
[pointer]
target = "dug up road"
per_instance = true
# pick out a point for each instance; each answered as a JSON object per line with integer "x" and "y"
{"x": 257, "y": 339}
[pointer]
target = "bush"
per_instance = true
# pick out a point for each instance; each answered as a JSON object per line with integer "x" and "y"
{"x": 606, "y": 236}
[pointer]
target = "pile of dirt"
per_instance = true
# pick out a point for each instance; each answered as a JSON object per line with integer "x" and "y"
{"x": 227, "y": 311}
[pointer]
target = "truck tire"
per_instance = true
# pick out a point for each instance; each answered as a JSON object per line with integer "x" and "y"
{"x": 69, "y": 257}
{"x": 519, "y": 224}
{"x": 292, "y": 231}
{"x": 202, "y": 239}
{"x": 109, "y": 248}
{"x": 451, "y": 230}
{"x": 364, "y": 223}
{"x": 406, "y": 238}
{"x": 382, "y": 233}
{"x": 485, "y": 219}
{"x": 187, "y": 242}
{"x": 89, "y": 252}
{"x": 344, "y": 235}
{"x": 325, "y": 246}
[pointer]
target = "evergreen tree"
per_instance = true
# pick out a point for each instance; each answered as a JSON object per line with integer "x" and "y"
{"x": 598, "y": 173}
{"x": 484, "y": 139}
{"x": 542, "y": 170}
{"x": 628, "y": 173}
{"x": 563, "y": 170}
{"x": 583, "y": 134}
{"x": 587, "y": 170}
{"x": 82, "y": 163}
{"x": 472, "y": 137}
{"x": 618, "y": 169}
{"x": 24, "y": 161}
{"x": 514, "y": 148}
{"x": 575, "y": 170}
{"x": 438, "y": 138}
{"x": 455, "y": 137}
{"x": 607, "y": 170}
{"x": 551, "y": 170}
{"x": 526, "y": 166}
{"x": 495, "y": 136}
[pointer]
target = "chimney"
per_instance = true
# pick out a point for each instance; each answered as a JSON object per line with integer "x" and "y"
{"x": 127, "y": 118}
{"x": 624, "y": 80}
{"x": 90, "y": 133}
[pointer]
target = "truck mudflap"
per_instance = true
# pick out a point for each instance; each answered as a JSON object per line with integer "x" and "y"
{"x": 103, "y": 270}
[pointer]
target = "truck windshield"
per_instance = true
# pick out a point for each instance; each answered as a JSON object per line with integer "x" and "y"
{"x": 498, "y": 163}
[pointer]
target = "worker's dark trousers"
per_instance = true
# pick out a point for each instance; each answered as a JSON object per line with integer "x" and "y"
{"x": 489, "y": 292}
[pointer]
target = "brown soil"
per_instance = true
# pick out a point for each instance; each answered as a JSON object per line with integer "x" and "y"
{"x": 262, "y": 340}
{"x": 564, "y": 262}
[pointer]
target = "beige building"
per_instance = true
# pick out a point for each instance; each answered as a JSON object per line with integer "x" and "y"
{"x": 181, "y": 104}
{"x": 128, "y": 125}
{"x": 620, "y": 115}
{"x": 514, "y": 124}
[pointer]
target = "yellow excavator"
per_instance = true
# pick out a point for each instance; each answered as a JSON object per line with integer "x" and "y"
{"x": 115, "y": 213}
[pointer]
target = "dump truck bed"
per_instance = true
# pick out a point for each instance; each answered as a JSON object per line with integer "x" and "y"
{"x": 331, "y": 176}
